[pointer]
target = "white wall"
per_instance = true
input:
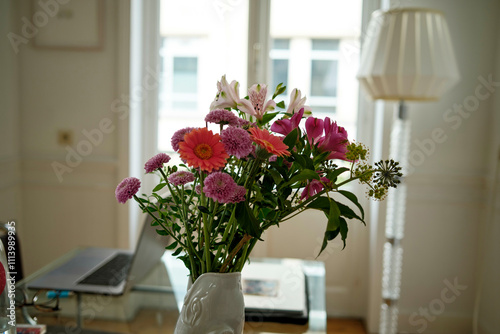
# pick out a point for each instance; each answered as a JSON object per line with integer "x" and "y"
{"x": 447, "y": 189}
{"x": 10, "y": 190}
{"x": 71, "y": 91}
{"x": 488, "y": 321}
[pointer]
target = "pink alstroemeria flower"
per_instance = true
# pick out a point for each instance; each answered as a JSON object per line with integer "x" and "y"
{"x": 313, "y": 187}
{"x": 297, "y": 103}
{"x": 314, "y": 129}
{"x": 334, "y": 139}
{"x": 227, "y": 94}
{"x": 256, "y": 105}
{"x": 286, "y": 125}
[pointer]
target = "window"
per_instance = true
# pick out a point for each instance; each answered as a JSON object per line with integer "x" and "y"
{"x": 178, "y": 91}
{"x": 202, "y": 40}
{"x": 279, "y": 55}
{"x": 320, "y": 64}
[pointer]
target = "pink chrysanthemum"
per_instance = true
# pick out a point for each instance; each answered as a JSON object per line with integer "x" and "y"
{"x": 219, "y": 186}
{"x": 197, "y": 189}
{"x": 179, "y": 137}
{"x": 243, "y": 123}
{"x": 127, "y": 189}
{"x": 180, "y": 178}
{"x": 156, "y": 162}
{"x": 238, "y": 195}
{"x": 222, "y": 116}
{"x": 236, "y": 142}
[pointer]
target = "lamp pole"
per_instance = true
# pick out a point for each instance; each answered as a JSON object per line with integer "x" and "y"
{"x": 394, "y": 228}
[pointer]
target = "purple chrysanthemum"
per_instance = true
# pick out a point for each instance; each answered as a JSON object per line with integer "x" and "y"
{"x": 198, "y": 189}
{"x": 222, "y": 116}
{"x": 238, "y": 195}
{"x": 243, "y": 123}
{"x": 179, "y": 137}
{"x": 236, "y": 142}
{"x": 127, "y": 189}
{"x": 156, "y": 162}
{"x": 219, "y": 186}
{"x": 180, "y": 178}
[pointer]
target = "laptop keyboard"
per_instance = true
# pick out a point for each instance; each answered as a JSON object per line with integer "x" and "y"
{"x": 112, "y": 273}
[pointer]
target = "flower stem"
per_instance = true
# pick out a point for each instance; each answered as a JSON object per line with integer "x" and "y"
{"x": 205, "y": 228}
{"x": 145, "y": 208}
{"x": 235, "y": 251}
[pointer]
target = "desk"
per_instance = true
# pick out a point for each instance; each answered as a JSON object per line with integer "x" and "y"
{"x": 154, "y": 304}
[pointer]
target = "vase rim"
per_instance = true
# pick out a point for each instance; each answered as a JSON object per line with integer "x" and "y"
{"x": 238, "y": 273}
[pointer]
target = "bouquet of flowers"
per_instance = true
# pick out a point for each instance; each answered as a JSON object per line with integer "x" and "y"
{"x": 252, "y": 173}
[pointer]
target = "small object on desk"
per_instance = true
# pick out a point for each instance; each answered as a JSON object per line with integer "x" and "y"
{"x": 58, "y": 293}
{"x": 275, "y": 293}
{"x": 30, "y": 329}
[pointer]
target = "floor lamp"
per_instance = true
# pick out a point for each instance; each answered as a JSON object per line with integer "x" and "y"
{"x": 407, "y": 56}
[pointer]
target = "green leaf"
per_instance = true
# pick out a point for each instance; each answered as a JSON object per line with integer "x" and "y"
{"x": 177, "y": 251}
{"x": 280, "y": 89}
{"x": 281, "y": 104}
{"x": 291, "y": 138}
{"x": 276, "y": 176}
{"x": 343, "y": 230}
{"x": 247, "y": 220}
{"x": 162, "y": 232}
{"x": 333, "y": 175}
{"x": 267, "y": 117}
{"x": 320, "y": 203}
{"x": 299, "y": 159}
{"x": 353, "y": 199}
{"x": 321, "y": 157}
{"x": 347, "y": 212}
{"x": 173, "y": 245}
{"x": 305, "y": 174}
{"x": 333, "y": 216}
{"x": 329, "y": 235}
{"x": 204, "y": 209}
{"x": 159, "y": 187}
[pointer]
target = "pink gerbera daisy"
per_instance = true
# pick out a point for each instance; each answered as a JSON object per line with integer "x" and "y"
{"x": 202, "y": 149}
{"x": 273, "y": 144}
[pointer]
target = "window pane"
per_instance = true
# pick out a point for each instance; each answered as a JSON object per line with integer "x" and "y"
{"x": 185, "y": 75}
{"x": 324, "y": 78}
{"x": 324, "y": 111}
{"x": 202, "y": 41}
{"x": 319, "y": 41}
{"x": 281, "y": 44}
{"x": 325, "y": 44}
{"x": 279, "y": 73}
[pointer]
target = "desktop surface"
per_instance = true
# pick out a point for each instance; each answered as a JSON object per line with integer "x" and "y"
{"x": 153, "y": 304}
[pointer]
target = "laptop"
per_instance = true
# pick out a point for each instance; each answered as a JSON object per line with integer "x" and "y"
{"x": 105, "y": 270}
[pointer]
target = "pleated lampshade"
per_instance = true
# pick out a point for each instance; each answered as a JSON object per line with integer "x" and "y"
{"x": 407, "y": 55}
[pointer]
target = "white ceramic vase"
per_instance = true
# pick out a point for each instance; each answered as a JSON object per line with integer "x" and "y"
{"x": 213, "y": 305}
